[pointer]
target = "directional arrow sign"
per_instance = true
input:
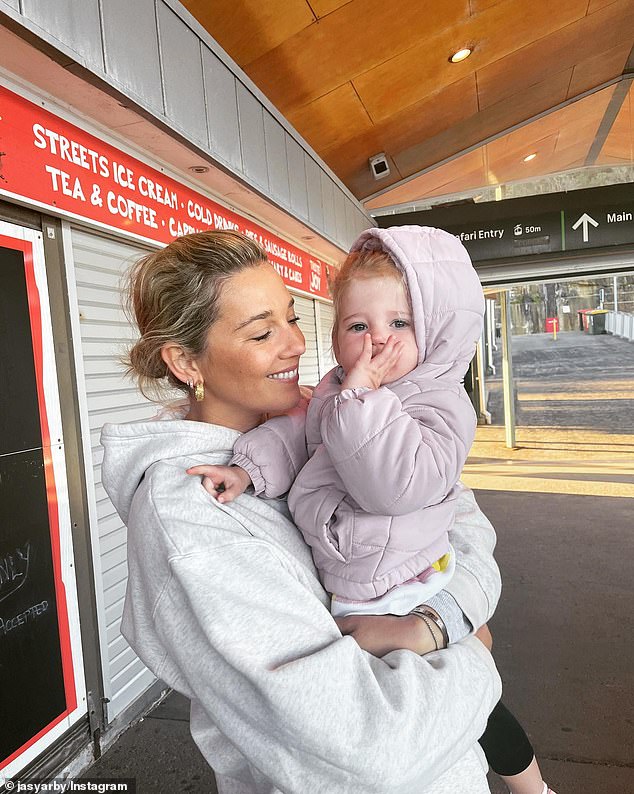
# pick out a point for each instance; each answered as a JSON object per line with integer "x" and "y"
{"x": 585, "y": 219}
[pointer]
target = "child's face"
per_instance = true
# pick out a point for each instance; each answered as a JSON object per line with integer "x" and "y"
{"x": 378, "y": 306}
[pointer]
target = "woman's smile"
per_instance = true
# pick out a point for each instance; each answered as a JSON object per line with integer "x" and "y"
{"x": 287, "y": 375}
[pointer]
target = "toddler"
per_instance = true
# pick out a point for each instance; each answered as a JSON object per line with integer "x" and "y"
{"x": 372, "y": 463}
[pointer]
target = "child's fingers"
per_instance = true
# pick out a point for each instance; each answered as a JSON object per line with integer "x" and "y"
{"x": 212, "y": 477}
{"x": 366, "y": 352}
{"x": 204, "y": 469}
{"x": 397, "y": 351}
{"x": 209, "y": 485}
{"x": 231, "y": 492}
{"x": 389, "y": 354}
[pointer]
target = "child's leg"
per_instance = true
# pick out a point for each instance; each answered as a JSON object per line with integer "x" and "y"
{"x": 510, "y": 753}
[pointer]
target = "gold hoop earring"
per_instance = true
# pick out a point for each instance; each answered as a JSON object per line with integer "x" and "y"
{"x": 199, "y": 391}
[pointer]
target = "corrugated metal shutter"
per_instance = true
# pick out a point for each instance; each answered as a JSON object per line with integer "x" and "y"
{"x": 309, "y": 362}
{"x": 325, "y": 314}
{"x": 99, "y": 264}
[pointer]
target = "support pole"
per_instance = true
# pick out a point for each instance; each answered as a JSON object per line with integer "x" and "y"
{"x": 480, "y": 384}
{"x": 490, "y": 345}
{"x": 507, "y": 372}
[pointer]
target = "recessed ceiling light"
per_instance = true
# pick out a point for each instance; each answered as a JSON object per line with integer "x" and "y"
{"x": 530, "y": 157}
{"x": 465, "y": 52}
{"x": 199, "y": 169}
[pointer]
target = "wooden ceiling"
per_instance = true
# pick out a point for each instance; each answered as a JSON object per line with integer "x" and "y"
{"x": 359, "y": 77}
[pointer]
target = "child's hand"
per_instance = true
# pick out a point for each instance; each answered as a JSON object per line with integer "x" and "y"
{"x": 371, "y": 372}
{"x": 224, "y": 483}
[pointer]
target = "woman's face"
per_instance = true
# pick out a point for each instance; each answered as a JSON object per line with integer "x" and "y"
{"x": 250, "y": 365}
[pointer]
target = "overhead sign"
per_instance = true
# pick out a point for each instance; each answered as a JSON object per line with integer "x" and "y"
{"x": 541, "y": 224}
{"x": 536, "y": 234}
{"x": 60, "y": 166}
{"x": 601, "y": 226}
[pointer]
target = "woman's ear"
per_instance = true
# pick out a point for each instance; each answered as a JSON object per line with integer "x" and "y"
{"x": 180, "y": 363}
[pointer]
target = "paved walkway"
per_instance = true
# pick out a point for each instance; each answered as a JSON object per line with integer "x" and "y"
{"x": 577, "y": 381}
{"x": 562, "y": 505}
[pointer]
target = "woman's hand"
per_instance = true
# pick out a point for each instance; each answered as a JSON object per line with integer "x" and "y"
{"x": 484, "y": 635}
{"x": 370, "y": 372}
{"x": 380, "y": 634}
{"x": 224, "y": 483}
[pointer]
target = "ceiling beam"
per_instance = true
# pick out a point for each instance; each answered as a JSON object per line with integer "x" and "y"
{"x": 612, "y": 111}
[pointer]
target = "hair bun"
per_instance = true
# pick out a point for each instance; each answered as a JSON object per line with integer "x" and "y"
{"x": 146, "y": 361}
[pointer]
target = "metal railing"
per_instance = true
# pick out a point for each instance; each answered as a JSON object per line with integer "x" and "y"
{"x": 620, "y": 324}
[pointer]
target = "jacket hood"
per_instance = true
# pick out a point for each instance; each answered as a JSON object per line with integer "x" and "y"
{"x": 131, "y": 449}
{"x": 445, "y": 291}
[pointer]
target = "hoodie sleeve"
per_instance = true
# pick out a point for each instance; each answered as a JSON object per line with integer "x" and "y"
{"x": 476, "y": 583}
{"x": 307, "y": 707}
{"x": 394, "y": 458}
{"x": 273, "y": 453}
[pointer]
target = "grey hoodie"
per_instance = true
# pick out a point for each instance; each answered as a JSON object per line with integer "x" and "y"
{"x": 224, "y": 604}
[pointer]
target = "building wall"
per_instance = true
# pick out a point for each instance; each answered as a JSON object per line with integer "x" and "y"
{"x": 159, "y": 57}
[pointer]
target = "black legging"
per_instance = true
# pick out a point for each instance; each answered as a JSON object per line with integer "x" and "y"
{"x": 505, "y": 744}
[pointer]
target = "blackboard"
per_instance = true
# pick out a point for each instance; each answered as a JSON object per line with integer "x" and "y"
{"x": 32, "y": 692}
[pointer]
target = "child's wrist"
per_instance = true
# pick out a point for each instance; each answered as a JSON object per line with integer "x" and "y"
{"x": 357, "y": 383}
{"x": 244, "y": 475}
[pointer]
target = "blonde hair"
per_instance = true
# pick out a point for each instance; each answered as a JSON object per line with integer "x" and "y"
{"x": 173, "y": 295}
{"x": 366, "y": 265}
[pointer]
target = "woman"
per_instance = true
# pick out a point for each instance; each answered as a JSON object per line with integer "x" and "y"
{"x": 223, "y": 600}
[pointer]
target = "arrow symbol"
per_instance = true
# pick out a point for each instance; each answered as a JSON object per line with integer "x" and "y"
{"x": 585, "y": 219}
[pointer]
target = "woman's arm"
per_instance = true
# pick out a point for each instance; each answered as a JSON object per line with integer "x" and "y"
{"x": 476, "y": 583}
{"x": 265, "y": 660}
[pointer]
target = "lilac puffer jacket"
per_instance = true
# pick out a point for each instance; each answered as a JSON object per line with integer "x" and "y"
{"x": 373, "y": 474}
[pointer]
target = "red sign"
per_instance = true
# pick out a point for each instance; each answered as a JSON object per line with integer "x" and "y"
{"x": 55, "y": 163}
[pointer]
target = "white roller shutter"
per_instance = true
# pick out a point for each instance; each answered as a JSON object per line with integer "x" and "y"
{"x": 309, "y": 362}
{"x": 106, "y": 396}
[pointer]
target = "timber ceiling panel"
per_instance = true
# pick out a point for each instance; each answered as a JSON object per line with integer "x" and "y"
{"x": 559, "y": 141}
{"x": 359, "y": 77}
{"x": 250, "y": 28}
